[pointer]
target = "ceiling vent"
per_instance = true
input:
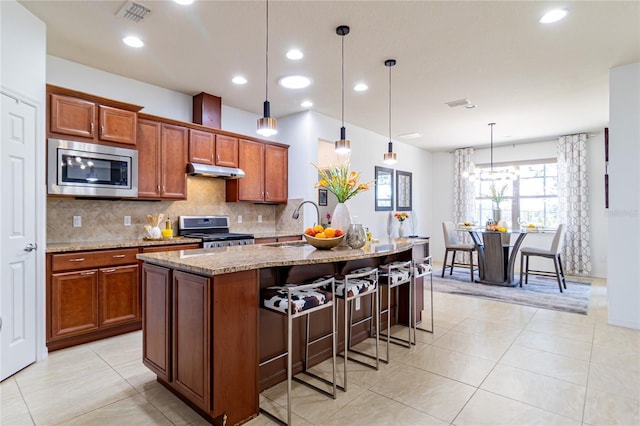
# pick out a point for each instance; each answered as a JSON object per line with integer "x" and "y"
{"x": 459, "y": 102}
{"x": 133, "y": 11}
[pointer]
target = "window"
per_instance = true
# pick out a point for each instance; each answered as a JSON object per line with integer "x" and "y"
{"x": 532, "y": 197}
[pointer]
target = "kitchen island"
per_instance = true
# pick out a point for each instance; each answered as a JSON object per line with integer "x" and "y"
{"x": 204, "y": 332}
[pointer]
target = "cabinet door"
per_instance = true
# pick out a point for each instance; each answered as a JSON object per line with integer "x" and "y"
{"x": 74, "y": 303}
{"x": 276, "y": 174}
{"x": 201, "y": 146}
{"x": 226, "y": 151}
{"x": 119, "y": 295}
{"x": 72, "y": 116}
{"x": 156, "y": 314}
{"x": 148, "y": 158}
{"x": 251, "y": 160}
{"x": 117, "y": 125}
{"x": 174, "y": 156}
{"x": 191, "y": 338}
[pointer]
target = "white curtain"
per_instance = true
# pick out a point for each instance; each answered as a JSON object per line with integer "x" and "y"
{"x": 573, "y": 200}
{"x": 463, "y": 189}
{"x": 464, "y": 197}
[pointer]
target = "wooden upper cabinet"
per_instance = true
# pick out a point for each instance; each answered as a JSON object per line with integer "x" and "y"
{"x": 117, "y": 125}
{"x": 276, "y": 174}
{"x": 266, "y": 168}
{"x": 226, "y": 151}
{"x": 88, "y": 118}
{"x": 162, "y": 160}
{"x": 149, "y": 158}
{"x": 201, "y": 147}
{"x": 72, "y": 116}
{"x": 174, "y": 161}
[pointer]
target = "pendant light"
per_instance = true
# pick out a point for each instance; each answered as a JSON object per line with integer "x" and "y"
{"x": 342, "y": 146}
{"x": 267, "y": 126}
{"x": 390, "y": 157}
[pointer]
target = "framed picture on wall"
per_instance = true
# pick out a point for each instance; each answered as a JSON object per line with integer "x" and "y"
{"x": 403, "y": 191}
{"x": 384, "y": 189}
{"x": 322, "y": 197}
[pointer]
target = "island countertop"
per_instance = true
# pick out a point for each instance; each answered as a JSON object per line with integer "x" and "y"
{"x": 224, "y": 260}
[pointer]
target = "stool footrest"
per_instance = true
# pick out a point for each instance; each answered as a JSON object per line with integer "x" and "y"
{"x": 314, "y": 387}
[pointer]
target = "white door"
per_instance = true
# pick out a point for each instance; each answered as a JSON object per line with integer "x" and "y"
{"x": 17, "y": 236}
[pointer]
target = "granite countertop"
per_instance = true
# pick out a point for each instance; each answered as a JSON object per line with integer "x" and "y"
{"x": 277, "y": 234}
{"x": 223, "y": 260}
{"x": 98, "y": 245}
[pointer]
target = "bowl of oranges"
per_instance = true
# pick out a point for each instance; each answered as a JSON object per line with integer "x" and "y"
{"x": 323, "y": 238}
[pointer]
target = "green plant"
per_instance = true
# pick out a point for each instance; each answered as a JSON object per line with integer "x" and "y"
{"x": 341, "y": 182}
{"x": 497, "y": 195}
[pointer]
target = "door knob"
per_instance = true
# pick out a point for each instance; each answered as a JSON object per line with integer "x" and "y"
{"x": 31, "y": 247}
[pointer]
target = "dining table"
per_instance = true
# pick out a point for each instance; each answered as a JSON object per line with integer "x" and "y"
{"x": 496, "y": 255}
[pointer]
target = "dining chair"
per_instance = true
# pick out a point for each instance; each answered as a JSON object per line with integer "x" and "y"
{"x": 551, "y": 253}
{"x": 452, "y": 244}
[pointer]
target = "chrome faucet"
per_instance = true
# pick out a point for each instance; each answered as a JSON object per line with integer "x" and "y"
{"x": 296, "y": 212}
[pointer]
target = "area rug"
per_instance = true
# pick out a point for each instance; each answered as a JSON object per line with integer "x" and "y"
{"x": 541, "y": 292}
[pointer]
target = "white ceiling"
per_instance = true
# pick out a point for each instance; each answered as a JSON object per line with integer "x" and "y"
{"x": 535, "y": 81}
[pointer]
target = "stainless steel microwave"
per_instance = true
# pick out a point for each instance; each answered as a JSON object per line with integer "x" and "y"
{"x": 91, "y": 170}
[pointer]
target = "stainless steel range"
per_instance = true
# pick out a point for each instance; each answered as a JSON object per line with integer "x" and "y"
{"x": 212, "y": 230}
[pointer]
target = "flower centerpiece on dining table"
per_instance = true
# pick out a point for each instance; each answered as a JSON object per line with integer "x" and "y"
{"x": 497, "y": 196}
{"x": 344, "y": 184}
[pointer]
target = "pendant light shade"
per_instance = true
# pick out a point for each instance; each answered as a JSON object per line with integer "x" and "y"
{"x": 267, "y": 126}
{"x": 390, "y": 157}
{"x": 343, "y": 145}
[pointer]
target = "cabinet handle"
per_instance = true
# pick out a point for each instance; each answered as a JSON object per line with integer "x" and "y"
{"x": 158, "y": 188}
{"x": 102, "y": 130}
{"x": 217, "y": 158}
{"x": 88, "y": 273}
{"x": 78, "y": 259}
{"x": 92, "y": 128}
{"x": 119, "y": 256}
{"x": 267, "y": 195}
{"x": 108, "y": 270}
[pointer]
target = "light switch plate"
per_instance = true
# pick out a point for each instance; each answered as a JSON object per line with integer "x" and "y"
{"x": 77, "y": 221}
{"x": 259, "y": 218}
{"x": 127, "y": 221}
{"x": 239, "y": 219}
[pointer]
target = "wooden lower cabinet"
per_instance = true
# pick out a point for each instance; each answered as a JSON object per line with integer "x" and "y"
{"x": 74, "y": 303}
{"x": 200, "y": 337}
{"x": 118, "y": 295}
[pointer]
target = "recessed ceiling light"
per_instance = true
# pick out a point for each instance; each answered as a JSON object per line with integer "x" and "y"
{"x": 295, "y": 54}
{"x": 306, "y": 104}
{"x": 410, "y": 136}
{"x": 184, "y": 2}
{"x": 133, "y": 41}
{"x": 470, "y": 106}
{"x": 294, "y": 82}
{"x": 360, "y": 87}
{"x": 239, "y": 80}
{"x": 553, "y": 16}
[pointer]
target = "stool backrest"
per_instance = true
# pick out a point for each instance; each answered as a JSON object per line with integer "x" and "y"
{"x": 450, "y": 235}
{"x": 558, "y": 240}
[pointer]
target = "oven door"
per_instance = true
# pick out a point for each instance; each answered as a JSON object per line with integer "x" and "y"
{"x": 83, "y": 169}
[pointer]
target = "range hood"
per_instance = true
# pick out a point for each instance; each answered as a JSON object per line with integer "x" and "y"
{"x": 207, "y": 170}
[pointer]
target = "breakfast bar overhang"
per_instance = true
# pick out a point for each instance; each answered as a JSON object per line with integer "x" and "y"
{"x": 203, "y": 331}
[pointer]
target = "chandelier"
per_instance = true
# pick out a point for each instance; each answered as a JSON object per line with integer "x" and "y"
{"x": 507, "y": 173}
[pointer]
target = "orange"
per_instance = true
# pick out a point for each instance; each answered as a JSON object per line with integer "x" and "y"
{"x": 309, "y": 231}
{"x": 318, "y": 228}
{"x": 330, "y": 232}
{"x": 321, "y": 235}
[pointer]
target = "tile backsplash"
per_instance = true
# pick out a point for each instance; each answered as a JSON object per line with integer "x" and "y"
{"x": 103, "y": 220}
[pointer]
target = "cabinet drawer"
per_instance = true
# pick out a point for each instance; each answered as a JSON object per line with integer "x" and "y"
{"x": 92, "y": 259}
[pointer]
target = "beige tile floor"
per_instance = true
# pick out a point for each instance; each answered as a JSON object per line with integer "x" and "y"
{"x": 488, "y": 363}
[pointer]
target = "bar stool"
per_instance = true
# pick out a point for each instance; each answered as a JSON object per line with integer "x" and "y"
{"x": 354, "y": 285}
{"x": 421, "y": 268}
{"x": 294, "y": 301}
{"x": 392, "y": 276}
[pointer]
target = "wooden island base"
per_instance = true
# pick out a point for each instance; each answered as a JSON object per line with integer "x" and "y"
{"x": 204, "y": 332}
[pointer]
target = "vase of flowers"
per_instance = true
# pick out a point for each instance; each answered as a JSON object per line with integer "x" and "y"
{"x": 343, "y": 183}
{"x": 497, "y": 196}
{"x": 401, "y": 218}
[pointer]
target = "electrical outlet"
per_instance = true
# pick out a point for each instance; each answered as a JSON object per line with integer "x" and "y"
{"x": 77, "y": 221}
{"x": 358, "y": 304}
{"x": 259, "y": 218}
{"x": 239, "y": 219}
{"x": 127, "y": 221}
